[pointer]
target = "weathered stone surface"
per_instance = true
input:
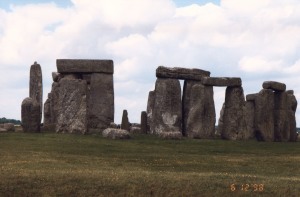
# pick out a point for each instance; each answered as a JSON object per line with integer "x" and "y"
{"x": 84, "y": 66}
{"x": 171, "y": 135}
{"x": 250, "y": 97}
{"x": 125, "y": 122}
{"x": 87, "y": 78}
{"x": 10, "y": 127}
{"x": 201, "y": 115}
{"x": 31, "y": 116}
{"x": 234, "y": 125}
{"x": 47, "y": 112}
{"x": 36, "y": 85}
{"x": 291, "y": 110}
{"x": 135, "y": 130}
{"x": 113, "y": 133}
{"x": 220, "y": 121}
{"x": 167, "y": 106}
{"x": 101, "y": 101}
{"x": 144, "y": 122}
{"x": 222, "y": 81}
{"x": 72, "y": 104}
{"x": 181, "y": 73}
{"x": 54, "y": 100}
{"x": 274, "y": 85}
{"x": 150, "y": 109}
{"x": 56, "y": 76}
{"x": 290, "y": 91}
{"x": 71, "y": 76}
{"x": 281, "y": 121}
{"x": 264, "y": 115}
{"x": 249, "y": 111}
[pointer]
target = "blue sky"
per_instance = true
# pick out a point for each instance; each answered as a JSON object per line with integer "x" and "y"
{"x": 256, "y": 40}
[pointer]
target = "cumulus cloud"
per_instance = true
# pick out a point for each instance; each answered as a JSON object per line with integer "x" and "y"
{"x": 256, "y": 40}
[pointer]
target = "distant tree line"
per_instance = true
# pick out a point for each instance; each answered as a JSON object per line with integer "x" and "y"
{"x": 4, "y": 120}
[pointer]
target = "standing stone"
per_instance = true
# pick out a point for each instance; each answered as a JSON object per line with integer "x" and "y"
{"x": 220, "y": 121}
{"x": 54, "y": 100}
{"x": 30, "y": 113}
{"x": 264, "y": 115}
{"x": 150, "y": 109}
{"x": 36, "y": 85}
{"x": 234, "y": 122}
{"x": 101, "y": 101}
{"x": 144, "y": 122}
{"x": 291, "y": 110}
{"x": 281, "y": 120}
{"x": 47, "y": 112}
{"x": 201, "y": 116}
{"x": 167, "y": 108}
{"x": 125, "y": 125}
{"x": 249, "y": 111}
{"x": 72, "y": 115}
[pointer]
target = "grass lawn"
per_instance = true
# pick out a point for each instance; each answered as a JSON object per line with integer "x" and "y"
{"x": 51, "y": 164}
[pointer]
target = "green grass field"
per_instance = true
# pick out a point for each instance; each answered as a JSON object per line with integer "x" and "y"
{"x": 51, "y": 164}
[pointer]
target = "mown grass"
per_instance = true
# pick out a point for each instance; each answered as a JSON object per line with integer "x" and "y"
{"x": 50, "y": 164}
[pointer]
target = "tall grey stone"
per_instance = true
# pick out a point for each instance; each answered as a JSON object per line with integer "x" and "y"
{"x": 144, "y": 122}
{"x": 36, "y": 85}
{"x": 72, "y": 105}
{"x": 234, "y": 125}
{"x": 54, "y": 102}
{"x": 291, "y": 110}
{"x": 249, "y": 111}
{"x": 150, "y": 109}
{"x": 125, "y": 122}
{"x": 264, "y": 115}
{"x": 281, "y": 120}
{"x": 30, "y": 114}
{"x": 199, "y": 111}
{"x": 220, "y": 121}
{"x": 47, "y": 112}
{"x": 100, "y": 101}
{"x": 167, "y": 108}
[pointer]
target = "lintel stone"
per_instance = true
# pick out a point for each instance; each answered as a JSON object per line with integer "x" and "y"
{"x": 84, "y": 66}
{"x": 181, "y": 73}
{"x": 222, "y": 81}
{"x": 274, "y": 85}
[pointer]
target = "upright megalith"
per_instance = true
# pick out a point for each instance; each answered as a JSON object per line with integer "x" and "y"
{"x": 30, "y": 114}
{"x": 36, "y": 85}
{"x": 264, "y": 115}
{"x": 281, "y": 120}
{"x": 249, "y": 111}
{"x": 201, "y": 116}
{"x": 125, "y": 125}
{"x": 150, "y": 109}
{"x": 167, "y": 108}
{"x": 72, "y": 106}
{"x": 291, "y": 110}
{"x": 144, "y": 122}
{"x": 234, "y": 125}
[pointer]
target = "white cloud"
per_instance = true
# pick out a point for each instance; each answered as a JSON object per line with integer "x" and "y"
{"x": 257, "y": 40}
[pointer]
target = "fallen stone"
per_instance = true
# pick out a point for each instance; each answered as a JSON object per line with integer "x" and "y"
{"x": 264, "y": 115}
{"x": 30, "y": 114}
{"x": 201, "y": 115}
{"x": 273, "y": 85}
{"x": 72, "y": 106}
{"x": 113, "y": 133}
{"x": 36, "y": 85}
{"x": 135, "y": 130}
{"x": 144, "y": 122}
{"x": 84, "y": 66}
{"x": 170, "y": 135}
{"x": 234, "y": 125}
{"x": 167, "y": 107}
{"x": 221, "y": 81}
{"x": 125, "y": 122}
{"x": 101, "y": 101}
{"x": 150, "y": 108}
{"x": 181, "y": 73}
{"x": 10, "y": 127}
{"x": 250, "y": 97}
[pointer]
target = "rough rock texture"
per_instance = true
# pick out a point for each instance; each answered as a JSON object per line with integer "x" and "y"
{"x": 10, "y": 127}
{"x": 150, "y": 107}
{"x": 54, "y": 100}
{"x": 144, "y": 122}
{"x": 250, "y": 97}
{"x": 72, "y": 105}
{"x": 220, "y": 121}
{"x": 234, "y": 126}
{"x": 281, "y": 120}
{"x": 30, "y": 114}
{"x": 249, "y": 111}
{"x": 125, "y": 122}
{"x": 167, "y": 107}
{"x": 84, "y": 66}
{"x": 47, "y": 111}
{"x": 221, "y": 81}
{"x": 273, "y": 85}
{"x": 113, "y": 133}
{"x": 200, "y": 113}
{"x": 181, "y": 73}
{"x": 291, "y": 110}
{"x": 264, "y": 115}
{"x": 36, "y": 85}
{"x": 101, "y": 101}
{"x": 56, "y": 76}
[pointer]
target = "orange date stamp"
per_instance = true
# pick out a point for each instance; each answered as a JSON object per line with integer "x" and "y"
{"x": 247, "y": 187}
